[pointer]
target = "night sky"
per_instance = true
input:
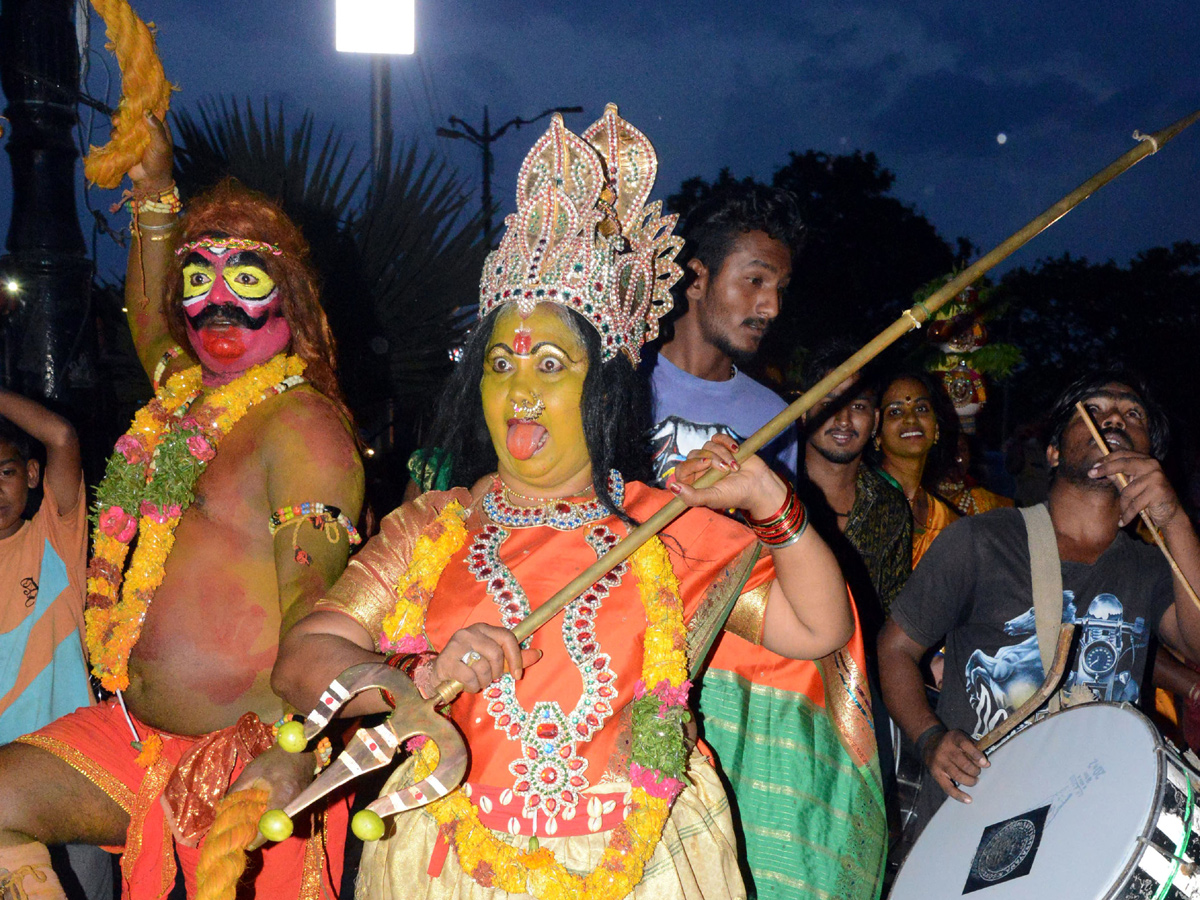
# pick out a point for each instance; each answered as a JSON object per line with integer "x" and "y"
{"x": 930, "y": 86}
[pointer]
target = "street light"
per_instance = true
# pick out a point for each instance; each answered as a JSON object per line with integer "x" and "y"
{"x": 376, "y": 26}
{"x": 382, "y": 28}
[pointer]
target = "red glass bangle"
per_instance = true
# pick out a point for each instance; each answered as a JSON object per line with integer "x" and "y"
{"x": 785, "y": 527}
{"x": 775, "y": 517}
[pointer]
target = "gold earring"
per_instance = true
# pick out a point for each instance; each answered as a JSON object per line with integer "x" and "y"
{"x": 878, "y": 445}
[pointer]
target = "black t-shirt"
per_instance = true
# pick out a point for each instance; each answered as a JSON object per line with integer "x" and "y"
{"x": 973, "y": 587}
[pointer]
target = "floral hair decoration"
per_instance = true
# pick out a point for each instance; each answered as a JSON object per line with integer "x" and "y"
{"x": 223, "y": 244}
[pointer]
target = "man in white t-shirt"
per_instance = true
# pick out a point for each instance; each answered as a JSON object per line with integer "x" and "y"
{"x": 737, "y": 264}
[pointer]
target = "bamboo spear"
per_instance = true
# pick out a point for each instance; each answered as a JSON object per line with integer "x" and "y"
{"x": 911, "y": 318}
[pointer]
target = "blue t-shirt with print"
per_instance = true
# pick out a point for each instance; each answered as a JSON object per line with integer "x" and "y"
{"x": 690, "y": 410}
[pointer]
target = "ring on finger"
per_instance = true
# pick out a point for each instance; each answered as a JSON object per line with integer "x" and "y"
{"x": 470, "y": 658}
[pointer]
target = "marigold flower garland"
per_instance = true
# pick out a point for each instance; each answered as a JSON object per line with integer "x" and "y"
{"x": 658, "y": 755}
{"x": 146, "y": 488}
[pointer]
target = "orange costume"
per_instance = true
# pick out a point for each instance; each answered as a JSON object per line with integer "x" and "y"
{"x": 187, "y": 776}
{"x": 550, "y": 753}
{"x": 940, "y": 515}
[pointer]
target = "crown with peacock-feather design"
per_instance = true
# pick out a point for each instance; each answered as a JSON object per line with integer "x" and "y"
{"x": 584, "y": 238}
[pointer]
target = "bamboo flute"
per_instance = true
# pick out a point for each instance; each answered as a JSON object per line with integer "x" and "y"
{"x": 1154, "y": 531}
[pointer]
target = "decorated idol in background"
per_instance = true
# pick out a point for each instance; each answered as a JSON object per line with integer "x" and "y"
{"x": 961, "y": 355}
{"x": 226, "y": 510}
{"x": 580, "y": 781}
{"x": 958, "y": 331}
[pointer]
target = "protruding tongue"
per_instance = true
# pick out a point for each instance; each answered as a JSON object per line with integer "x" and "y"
{"x": 525, "y": 439}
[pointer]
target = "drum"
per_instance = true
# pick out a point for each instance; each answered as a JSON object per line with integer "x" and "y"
{"x": 1087, "y": 803}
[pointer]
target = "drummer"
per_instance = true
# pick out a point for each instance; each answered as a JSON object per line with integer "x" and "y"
{"x": 973, "y": 590}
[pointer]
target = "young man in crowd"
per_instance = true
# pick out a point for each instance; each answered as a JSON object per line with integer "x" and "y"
{"x": 973, "y": 588}
{"x": 43, "y": 670}
{"x": 737, "y": 263}
{"x": 860, "y": 514}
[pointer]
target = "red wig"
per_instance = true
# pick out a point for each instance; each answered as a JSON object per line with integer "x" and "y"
{"x": 233, "y": 210}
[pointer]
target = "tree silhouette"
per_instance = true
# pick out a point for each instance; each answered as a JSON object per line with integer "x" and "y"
{"x": 1068, "y": 314}
{"x": 864, "y": 252}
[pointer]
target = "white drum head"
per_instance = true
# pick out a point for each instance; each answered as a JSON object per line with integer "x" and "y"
{"x": 1057, "y": 814}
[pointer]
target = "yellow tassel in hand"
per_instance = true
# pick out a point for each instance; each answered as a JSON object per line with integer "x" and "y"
{"x": 144, "y": 87}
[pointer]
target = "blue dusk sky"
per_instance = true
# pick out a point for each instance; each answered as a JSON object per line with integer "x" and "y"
{"x": 985, "y": 112}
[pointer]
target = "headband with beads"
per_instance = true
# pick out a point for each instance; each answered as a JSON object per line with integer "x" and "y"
{"x": 232, "y": 243}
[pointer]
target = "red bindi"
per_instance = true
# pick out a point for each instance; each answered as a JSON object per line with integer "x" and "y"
{"x": 523, "y": 341}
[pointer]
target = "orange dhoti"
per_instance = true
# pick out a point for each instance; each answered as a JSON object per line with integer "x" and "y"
{"x": 170, "y": 788}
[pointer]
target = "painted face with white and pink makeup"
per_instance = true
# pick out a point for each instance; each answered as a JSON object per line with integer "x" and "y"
{"x": 232, "y": 310}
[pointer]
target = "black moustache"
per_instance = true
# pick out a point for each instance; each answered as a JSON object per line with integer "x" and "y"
{"x": 1120, "y": 435}
{"x": 229, "y": 313}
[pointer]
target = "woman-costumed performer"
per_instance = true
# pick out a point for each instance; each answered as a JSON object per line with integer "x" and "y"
{"x": 580, "y": 782}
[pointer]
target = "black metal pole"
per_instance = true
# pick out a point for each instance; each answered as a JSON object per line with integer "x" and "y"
{"x": 381, "y": 110}
{"x": 484, "y": 142}
{"x": 46, "y": 277}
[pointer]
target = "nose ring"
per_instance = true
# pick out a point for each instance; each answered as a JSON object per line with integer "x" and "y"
{"x": 527, "y": 410}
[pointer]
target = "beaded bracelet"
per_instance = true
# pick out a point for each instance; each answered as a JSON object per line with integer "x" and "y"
{"x": 785, "y": 526}
{"x": 166, "y": 202}
{"x": 321, "y": 517}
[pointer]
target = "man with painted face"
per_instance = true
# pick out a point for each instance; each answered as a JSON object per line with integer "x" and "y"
{"x": 577, "y": 746}
{"x": 973, "y": 588}
{"x": 225, "y": 512}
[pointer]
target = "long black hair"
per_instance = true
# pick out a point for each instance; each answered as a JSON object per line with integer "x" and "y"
{"x": 615, "y": 408}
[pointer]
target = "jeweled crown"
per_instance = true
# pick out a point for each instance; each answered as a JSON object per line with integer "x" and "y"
{"x": 583, "y": 236}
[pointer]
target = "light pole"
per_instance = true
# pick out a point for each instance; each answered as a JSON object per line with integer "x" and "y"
{"x": 46, "y": 276}
{"x": 484, "y": 141}
{"x": 383, "y": 28}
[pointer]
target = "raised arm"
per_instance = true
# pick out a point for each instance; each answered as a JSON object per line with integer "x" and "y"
{"x": 63, "y": 477}
{"x": 1149, "y": 489}
{"x": 808, "y": 610}
{"x": 150, "y": 256}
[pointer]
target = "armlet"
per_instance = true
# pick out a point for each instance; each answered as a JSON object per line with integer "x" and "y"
{"x": 746, "y": 620}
